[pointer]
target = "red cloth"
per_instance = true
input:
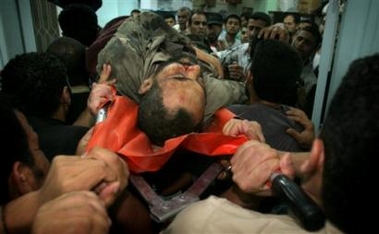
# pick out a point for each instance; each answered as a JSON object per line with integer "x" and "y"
{"x": 119, "y": 132}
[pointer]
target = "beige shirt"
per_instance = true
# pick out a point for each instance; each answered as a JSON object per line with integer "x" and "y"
{"x": 218, "y": 215}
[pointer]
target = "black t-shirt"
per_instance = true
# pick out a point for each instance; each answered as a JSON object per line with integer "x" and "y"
{"x": 56, "y": 137}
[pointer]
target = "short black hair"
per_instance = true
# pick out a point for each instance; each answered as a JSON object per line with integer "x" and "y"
{"x": 168, "y": 16}
{"x": 276, "y": 68}
{"x": 196, "y": 12}
{"x": 214, "y": 18}
{"x": 35, "y": 81}
{"x": 134, "y": 11}
{"x": 79, "y": 21}
{"x": 72, "y": 53}
{"x": 296, "y": 16}
{"x": 262, "y": 16}
{"x": 245, "y": 15}
{"x": 94, "y": 4}
{"x": 232, "y": 16}
{"x": 314, "y": 30}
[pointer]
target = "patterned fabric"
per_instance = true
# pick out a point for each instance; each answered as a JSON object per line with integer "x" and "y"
{"x": 239, "y": 53}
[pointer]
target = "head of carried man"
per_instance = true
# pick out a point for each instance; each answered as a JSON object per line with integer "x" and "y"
{"x": 173, "y": 100}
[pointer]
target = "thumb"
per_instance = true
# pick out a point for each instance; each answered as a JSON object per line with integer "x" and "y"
{"x": 108, "y": 192}
{"x": 286, "y": 166}
{"x": 255, "y": 135}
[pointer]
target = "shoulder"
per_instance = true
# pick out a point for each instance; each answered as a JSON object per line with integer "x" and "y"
{"x": 224, "y": 92}
{"x": 218, "y": 215}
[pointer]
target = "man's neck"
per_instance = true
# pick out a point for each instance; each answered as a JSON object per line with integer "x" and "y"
{"x": 254, "y": 99}
{"x": 230, "y": 38}
{"x": 61, "y": 113}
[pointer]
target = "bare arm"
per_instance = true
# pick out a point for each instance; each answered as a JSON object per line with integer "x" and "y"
{"x": 212, "y": 60}
{"x": 18, "y": 214}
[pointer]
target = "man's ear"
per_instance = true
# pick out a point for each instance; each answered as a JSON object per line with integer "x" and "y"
{"x": 21, "y": 180}
{"x": 250, "y": 87}
{"x": 66, "y": 95}
{"x": 249, "y": 78}
{"x": 145, "y": 86}
{"x": 316, "y": 158}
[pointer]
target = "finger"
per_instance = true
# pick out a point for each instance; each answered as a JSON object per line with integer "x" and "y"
{"x": 253, "y": 135}
{"x": 249, "y": 147}
{"x": 95, "y": 171}
{"x": 267, "y": 34}
{"x": 228, "y": 127}
{"x": 274, "y": 33}
{"x": 293, "y": 133}
{"x": 84, "y": 173}
{"x": 112, "y": 82}
{"x": 109, "y": 157}
{"x": 113, "y": 161}
{"x": 286, "y": 166}
{"x": 225, "y": 163}
{"x": 292, "y": 111}
{"x": 253, "y": 130}
{"x": 284, "y": 37}
{"x": 105, "y": 73}
{"x": 296, "y": 118}
{"x": 305, "y": 122}
{"x": 83, "y": 142}
{"x": 109, "y": 192}
{"x": 296, "y": 112}
{"x": 261, "y": 33}
{"x": 256, "y": 176}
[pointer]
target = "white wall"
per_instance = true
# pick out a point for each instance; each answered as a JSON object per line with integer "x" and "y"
{"x": 358, "y": 37}
{"x": 115, "y": 8}
{"x": 16, "y": 30}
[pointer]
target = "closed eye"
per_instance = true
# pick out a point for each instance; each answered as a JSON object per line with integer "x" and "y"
{"x": 181, "y": 78}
